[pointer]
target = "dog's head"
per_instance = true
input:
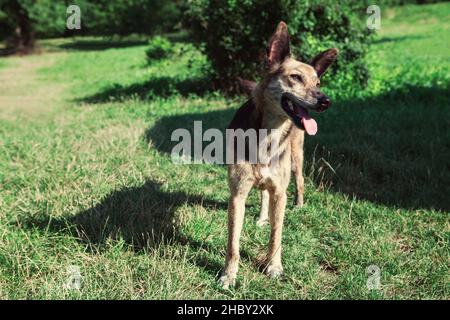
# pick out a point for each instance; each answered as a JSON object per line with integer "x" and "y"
{"x": 294, "y": 86}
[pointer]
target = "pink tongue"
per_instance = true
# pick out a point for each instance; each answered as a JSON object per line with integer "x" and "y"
{"x": 310, "y": 125}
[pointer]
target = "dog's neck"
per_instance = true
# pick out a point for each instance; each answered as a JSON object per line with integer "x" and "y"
{"x": 267, "y": 108}
{"x": 271, "y": 120}
{"x": 278, "y": 125}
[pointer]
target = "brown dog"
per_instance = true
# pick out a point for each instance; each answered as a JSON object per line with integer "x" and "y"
{"x": 297, "y": 138}
{"x": 280, "y": 104}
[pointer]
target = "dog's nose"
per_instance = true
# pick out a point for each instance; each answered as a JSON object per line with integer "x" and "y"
{"x": 322, "y": 100}
{"x": 325, "y": 102}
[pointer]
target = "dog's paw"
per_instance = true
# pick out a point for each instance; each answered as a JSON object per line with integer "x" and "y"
{"x": 298, "y": 202}
{"x": 262, "y": 222}
{"x": 274, "y": 271}
{"x": 227, "y": 281}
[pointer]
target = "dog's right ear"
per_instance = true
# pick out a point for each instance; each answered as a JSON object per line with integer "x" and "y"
{"x": 279, "y": 47}
{"x": 323, "y": 60}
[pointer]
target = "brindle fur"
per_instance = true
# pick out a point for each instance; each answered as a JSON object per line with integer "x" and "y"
{"x": 263, "y": 111}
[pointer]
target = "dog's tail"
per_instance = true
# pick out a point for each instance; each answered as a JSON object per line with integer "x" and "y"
{"x": 247, "y": 86}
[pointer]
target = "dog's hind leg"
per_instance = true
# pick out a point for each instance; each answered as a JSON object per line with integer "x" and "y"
{"x": 236, "y": 210}
{"x": 264, "y": 212}
{"x": 277, "y": 206}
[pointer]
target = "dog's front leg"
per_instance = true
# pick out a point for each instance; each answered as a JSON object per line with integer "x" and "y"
{"x": 297, "y": 139}
{"x": 297, "y": 170}
{"x": 264, "y": 212}
{"x": 277, "y": 206}
{"x": 236, "y": 211}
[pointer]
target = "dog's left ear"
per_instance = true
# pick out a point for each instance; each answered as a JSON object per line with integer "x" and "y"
{"x": 279, "y": 47}
{"x": 248, "y": 86}
{"x": 323, "y": 60}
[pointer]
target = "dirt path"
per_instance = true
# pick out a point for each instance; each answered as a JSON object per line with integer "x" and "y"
{"x": 26, "y": 93}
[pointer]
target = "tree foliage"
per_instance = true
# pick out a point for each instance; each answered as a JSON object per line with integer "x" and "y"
{"x": 235, "y": 33}
{"x": 23, "y": 20}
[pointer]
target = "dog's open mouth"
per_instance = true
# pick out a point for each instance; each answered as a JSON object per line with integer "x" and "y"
{"x": 299, "y": 115}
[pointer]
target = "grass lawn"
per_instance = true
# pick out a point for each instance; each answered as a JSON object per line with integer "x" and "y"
{"x": 86, "y": 177}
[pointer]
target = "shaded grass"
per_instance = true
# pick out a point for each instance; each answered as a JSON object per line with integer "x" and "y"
{"x": 89, "y": 43}
{"x": 92, "y": 185}
{"x": 158, "y": 86}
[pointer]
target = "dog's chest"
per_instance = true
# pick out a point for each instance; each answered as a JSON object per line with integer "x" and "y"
{"x": 277, "y": 166}
{"x": 272, "y": 175}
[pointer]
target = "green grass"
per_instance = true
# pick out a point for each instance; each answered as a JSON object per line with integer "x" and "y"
{"x": 86, "y": 179}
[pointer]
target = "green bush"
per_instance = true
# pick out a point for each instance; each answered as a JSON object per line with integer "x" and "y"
{"x": 159, "y": 48}
{"x": 235, "y": 34}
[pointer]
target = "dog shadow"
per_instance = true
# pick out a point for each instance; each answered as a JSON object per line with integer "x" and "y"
{"x": 390, "y": 149}
{"x": 143, "y": 217}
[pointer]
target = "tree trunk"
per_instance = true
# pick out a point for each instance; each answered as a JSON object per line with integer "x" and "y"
{"x": 23, "y": 40}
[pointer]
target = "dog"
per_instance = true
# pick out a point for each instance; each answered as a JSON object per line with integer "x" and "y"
{"x": 296, "y": 139}
{"x": 280, "y": 103}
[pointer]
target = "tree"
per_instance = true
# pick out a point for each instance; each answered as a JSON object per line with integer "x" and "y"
{"x": 22, "y": 21}
{"x": 19, "y": 23}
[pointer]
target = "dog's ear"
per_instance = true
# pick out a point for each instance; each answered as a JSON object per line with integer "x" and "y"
{"x": 279, "y": 48}
{"x": 247, "y": 86}
{"x": 323, "y": 60}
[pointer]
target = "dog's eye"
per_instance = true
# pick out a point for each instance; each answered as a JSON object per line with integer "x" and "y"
{"x": 318, "y": 84}
{"x": 297, "y": 77}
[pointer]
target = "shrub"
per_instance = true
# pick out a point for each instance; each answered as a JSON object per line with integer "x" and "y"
{"x": 235, "y": 34}
{"x": 159, "y": 48}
